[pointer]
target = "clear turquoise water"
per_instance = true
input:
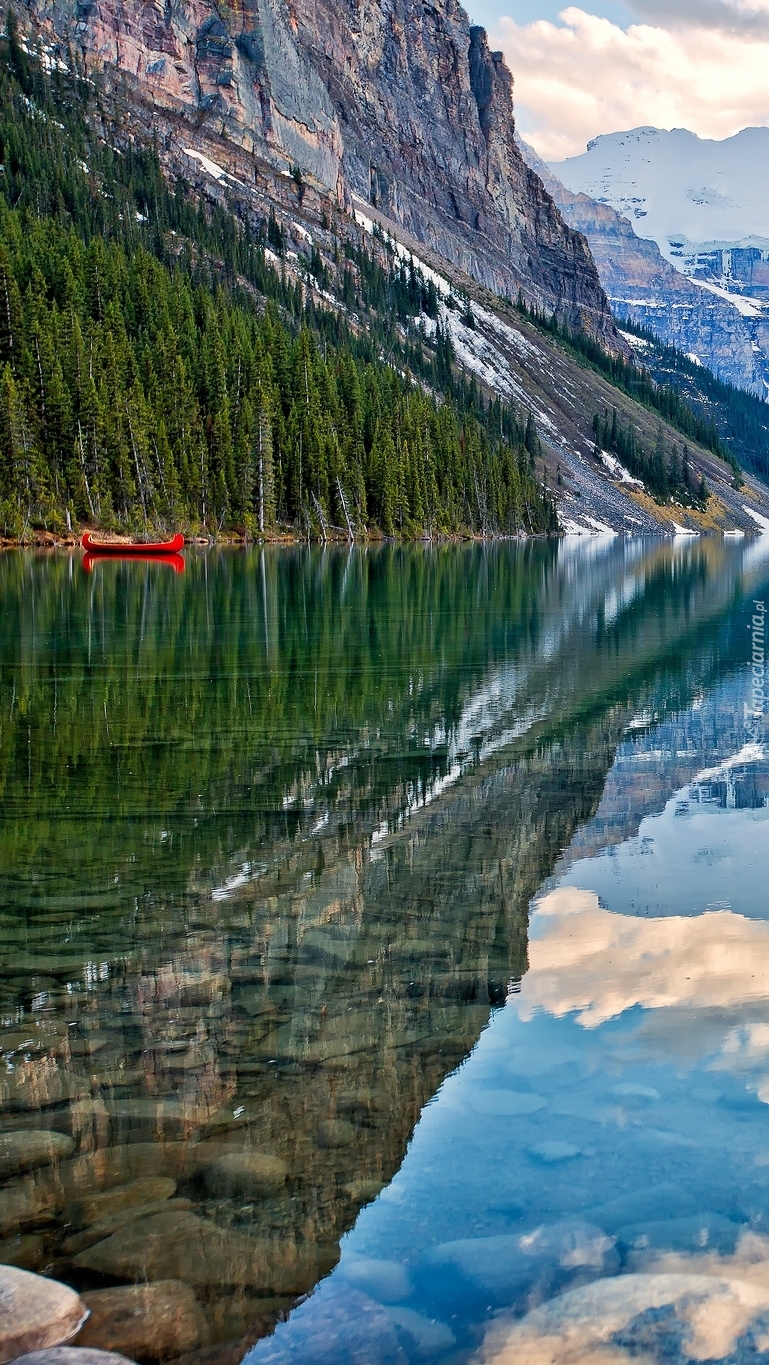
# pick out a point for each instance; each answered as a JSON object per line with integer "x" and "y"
{"x": 403, "y": 916}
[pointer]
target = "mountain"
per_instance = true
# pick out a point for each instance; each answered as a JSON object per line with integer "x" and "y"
{"x": 695, "y": 205}
{"x": 273, "y": 351}
{"x": 402, "y": 106}
{"x": 686, "y": 193}
{"x": 643, "y": 287}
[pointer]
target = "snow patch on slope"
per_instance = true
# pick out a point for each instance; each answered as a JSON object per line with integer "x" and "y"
{"x": 746, "y": 307}
{"x": 618, "y": 470}
{"x": 758, "y": 519}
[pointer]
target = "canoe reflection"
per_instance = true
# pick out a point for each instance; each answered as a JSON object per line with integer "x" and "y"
{"x": 176, "y": 562}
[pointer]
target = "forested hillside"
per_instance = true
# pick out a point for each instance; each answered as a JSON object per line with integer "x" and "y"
{"x": 158, "y": 369}
{"x": 742, "y": 418}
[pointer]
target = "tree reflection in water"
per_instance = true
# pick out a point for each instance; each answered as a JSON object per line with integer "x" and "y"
{"x": 269, "y": 835}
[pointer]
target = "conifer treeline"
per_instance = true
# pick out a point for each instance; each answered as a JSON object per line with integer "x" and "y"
{"x": 743, "y": 418}
{"x": 141, "y": 388}
{"x": 666, "y": 471}
{"x": 637, "y": 383}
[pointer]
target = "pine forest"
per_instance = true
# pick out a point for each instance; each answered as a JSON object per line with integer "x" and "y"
{"x": 157, "y": 370}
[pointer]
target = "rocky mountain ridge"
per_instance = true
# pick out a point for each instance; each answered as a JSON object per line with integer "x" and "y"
{"x": 402, "y": 104}
{"x": 679, "y": 188}
{"x": 645, "y": 288}
{"x": 679, "y": 230}
{"x": 322, "y": 233}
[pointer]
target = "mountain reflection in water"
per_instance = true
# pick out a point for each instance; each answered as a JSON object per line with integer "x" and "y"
{"x": 270, "y": 832}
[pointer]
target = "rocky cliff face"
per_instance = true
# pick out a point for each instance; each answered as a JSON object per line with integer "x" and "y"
{"x": 646, "y": 289}
{"x": 427, "y": 121}
{"x": 400, "y": 103}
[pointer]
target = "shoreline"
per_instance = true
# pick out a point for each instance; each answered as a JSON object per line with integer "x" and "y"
{"x": 51, "y": 540}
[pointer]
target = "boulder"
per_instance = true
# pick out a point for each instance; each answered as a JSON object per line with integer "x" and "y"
{"x": 96, "y": 1207}
{"x": 35, "y": 1313}
{"x": 28, "y": 1203}
{"x": 98, "y": 1232}
{"x": 179, "y": 1245}
{"x": 335, "y": 1133}
{"x": 71, "y": 1355}
{"x": 675, "y": 1317}
{"x": 182, "y": 1246}
{"x": 28, "y": 1148}
{"x": 23, "y": 1251}
{"x": 245, "y": 1174}
{"x": 148, "y": 1321}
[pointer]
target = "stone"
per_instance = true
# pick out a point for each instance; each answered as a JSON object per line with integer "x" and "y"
{"x": 331, "y": 1328}
{"x": 25, "y": 1251}
{"x": 35, "y": 1313}
{"x": 92, "y": 1173}
{"x": 183, "y": 1246}
{"x": 675, "y": 1317}
{"x": 72, "y": 1355}
{"x": 148, "y": 1321}
{"x": 554, "y": 1151}
{"x": 693, "y": 1233}
{"x": 105, "y": 1227}
{"x": 24, "y": 1150}
{"x": 27, "y": 1204}
{"x": 245, "y": 1174}
{"x": 145, "y": 1190}
{"x": 225, "y": 1121}
{"x": 44, "y": 1084}
{"x": 503, "y": 1265}
{"x": 165, "y": 1118}
{"x": 335, "y": 1133}
{"x": 431, "y": 1338}
{"x": 385, "y": 1281}
{"x": 363, "y": 1191}
{"x": 231, "y": 1352}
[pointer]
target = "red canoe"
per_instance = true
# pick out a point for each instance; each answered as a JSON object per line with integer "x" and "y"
{"x": 95, "y": 545}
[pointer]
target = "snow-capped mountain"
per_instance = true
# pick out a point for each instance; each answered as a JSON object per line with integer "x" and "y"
{"x": 679, "y": 229}
{"x": 705, "y": 203}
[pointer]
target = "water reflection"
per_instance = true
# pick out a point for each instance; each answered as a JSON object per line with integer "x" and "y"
{"x": 269, "y": 835}
{"x": 604, "y": 1150}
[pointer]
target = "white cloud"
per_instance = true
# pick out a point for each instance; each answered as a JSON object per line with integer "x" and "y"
{"x": 586, "y": 75}
{"x": 587, "y": 961}
{"x": 713, "y": 1301}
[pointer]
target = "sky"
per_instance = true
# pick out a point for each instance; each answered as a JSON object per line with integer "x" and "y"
{"x": 580, "y": 72}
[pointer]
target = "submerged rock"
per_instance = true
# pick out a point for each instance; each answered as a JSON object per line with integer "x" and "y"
{"x": 182, "y": 1246}
{"x": 27, "y": 1204}
{"x": 149, "y": 1321}
{"x": 245, "y": 1173}
{"x": 95, "y": 1208}
{"x": 330, "y": 1328}
{"x": 506, "y": 1265}
{"x": 675, "y": 1317}
{"x": 29, "y": 1148}
{"x": 35, "y": 1313}
{"x": 72, "y": 1355}
{"x": 386, "y": 1281}
{"x": 24, "y": 1251}
{"x": 99, "y": 1232}
{"x": 335, "y": 1133}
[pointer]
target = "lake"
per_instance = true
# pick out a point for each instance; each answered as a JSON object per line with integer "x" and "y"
{"x": 385, "y": 948}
